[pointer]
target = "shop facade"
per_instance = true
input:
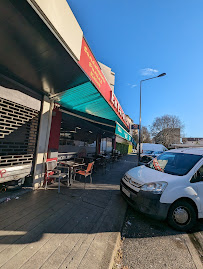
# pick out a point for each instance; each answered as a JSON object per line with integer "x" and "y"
{"x": 62, "y": 103}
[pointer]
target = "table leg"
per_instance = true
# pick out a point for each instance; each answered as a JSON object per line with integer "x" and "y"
{"x": 59, "y": 184}
{"x": 71, "y": 176}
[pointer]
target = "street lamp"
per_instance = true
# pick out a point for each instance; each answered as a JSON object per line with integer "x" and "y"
{"x": 161, "y": 75}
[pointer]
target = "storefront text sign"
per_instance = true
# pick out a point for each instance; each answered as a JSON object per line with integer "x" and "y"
{"x": 121, "y": 132}
{"x": 118, "y": 107}
{"x": 93, "y": 70}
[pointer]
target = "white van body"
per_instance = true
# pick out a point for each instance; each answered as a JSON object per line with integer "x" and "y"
{"x": 174, "y": 187}
{"x": 150, "y": 146}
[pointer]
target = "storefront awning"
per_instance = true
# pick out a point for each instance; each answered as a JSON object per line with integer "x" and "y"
{"x": 86, "y": 99}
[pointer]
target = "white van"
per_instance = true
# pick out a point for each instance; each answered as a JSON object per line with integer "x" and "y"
{"x": 169, "y": 187}
{"x": 150, "y": 147}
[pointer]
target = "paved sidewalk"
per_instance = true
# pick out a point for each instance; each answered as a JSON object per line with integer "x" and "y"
{"x": 77, "y": 228}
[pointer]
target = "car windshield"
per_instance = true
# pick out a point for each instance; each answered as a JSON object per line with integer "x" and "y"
{"x": 174, "y": 163}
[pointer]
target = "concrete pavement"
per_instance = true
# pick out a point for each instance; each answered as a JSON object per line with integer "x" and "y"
{"x": 80, "y": 228}
{"x": 77, "y": 228}
{"x": 196, "y": 238}
{"x": 149, "y": 243}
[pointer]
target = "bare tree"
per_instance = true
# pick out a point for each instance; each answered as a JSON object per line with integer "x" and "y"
{"x": 145, "y": 135}
{"x": 135, "y": 135}
{"x": 167, "y": 129}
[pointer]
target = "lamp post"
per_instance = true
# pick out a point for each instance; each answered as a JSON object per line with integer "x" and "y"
{"x": 161, "y": 75}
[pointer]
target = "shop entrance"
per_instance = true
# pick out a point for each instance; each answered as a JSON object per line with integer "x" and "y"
{"x": 79, "y": 136}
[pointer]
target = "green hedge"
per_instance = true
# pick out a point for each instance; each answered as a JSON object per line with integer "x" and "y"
{"x": 123, "y": 148}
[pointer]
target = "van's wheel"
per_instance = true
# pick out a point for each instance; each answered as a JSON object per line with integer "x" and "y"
{"x": 182, "y": 216}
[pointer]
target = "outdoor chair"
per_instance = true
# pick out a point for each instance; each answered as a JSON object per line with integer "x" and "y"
{"x": 80, "y": 161}
{"x": 97, "y": 160}
{"x": 54, "y": 173}
{"x": 111, "y": 161}
{"x": 103, "y": 164}
{"x": 87, "y": 172}
{"x": 88, "y": 159}
{"x": 119, "y": 155}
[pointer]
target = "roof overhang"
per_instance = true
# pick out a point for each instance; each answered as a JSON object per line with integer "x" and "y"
{"x": 107, "y": 126}
{"x": 85, "y": 127}
{"x": 31, "y": 55}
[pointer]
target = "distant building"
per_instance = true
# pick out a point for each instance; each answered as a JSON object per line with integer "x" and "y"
{"x": 109, "y": 75}
{"x": 192, "y": 141}
{"x": 130, "y": 121}
{"x": 189, "y": 142}
{"x": 168, "y": 136}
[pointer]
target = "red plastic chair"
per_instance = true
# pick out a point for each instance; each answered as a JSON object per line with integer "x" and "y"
{"x": 87, "y": 172}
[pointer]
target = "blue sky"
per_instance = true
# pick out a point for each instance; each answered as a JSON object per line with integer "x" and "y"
{"x": 142, "y": 38}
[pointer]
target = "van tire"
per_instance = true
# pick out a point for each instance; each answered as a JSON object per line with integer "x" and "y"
{"x": 182, "y": 216}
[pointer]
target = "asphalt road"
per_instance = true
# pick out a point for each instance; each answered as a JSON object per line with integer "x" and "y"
{"x": 148, "y": 243}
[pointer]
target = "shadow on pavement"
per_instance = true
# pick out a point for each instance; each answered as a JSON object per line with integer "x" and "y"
{"x": 79, "y": 209}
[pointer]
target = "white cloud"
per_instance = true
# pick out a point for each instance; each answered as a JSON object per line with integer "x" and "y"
{"x": 132, "y": 85}
{"x": 148, "y": 72}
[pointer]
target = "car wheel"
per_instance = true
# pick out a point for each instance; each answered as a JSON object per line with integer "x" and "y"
{"x": 182, "y": 216}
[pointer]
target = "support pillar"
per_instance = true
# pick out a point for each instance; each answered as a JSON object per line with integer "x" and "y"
{"x": 42, "y": 143}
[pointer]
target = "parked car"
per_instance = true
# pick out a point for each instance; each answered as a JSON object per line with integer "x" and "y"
{"x": 169, "y": 187}
{"x": 145, "y": 159}
{"x": 148, "y": 152}
{"x": 157, "y": 153}
{"x": 147, "y": 156}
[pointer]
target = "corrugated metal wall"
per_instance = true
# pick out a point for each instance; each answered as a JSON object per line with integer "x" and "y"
{"x": 18, "y": 131}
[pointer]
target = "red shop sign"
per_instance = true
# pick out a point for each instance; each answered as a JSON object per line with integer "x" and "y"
{"x": 93, "y": 70}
